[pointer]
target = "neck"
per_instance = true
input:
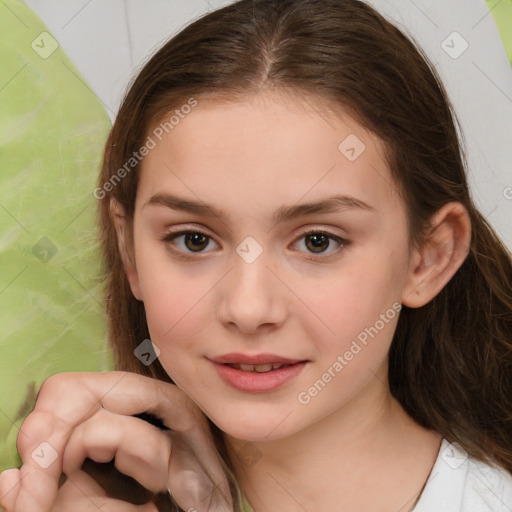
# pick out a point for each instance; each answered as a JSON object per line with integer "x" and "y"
{"x": 366, "y": 452}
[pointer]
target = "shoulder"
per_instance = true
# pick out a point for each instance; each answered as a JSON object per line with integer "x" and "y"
{"x": 458, "y": 483}
{"x": 488, "y": 487}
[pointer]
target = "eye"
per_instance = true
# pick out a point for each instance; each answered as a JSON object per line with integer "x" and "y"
{"x": 193, "y": 241}
{"x": 317, "y": 241}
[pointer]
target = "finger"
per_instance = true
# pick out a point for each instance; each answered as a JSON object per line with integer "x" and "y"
{"x": 197, "y": 480}
{"x": 64, "y": 401}
{"x": 140, "y": 450}
{"x": 41, "y": 440}
{"x": 193, "y": 485}
{"x": 67, "y": 400}
{"x": 9, "y": 488}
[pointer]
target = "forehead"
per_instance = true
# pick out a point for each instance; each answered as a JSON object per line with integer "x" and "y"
{"x": 265, "y": 149}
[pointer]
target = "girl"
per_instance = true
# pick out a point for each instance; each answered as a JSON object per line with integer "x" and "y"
{"x": 284, "y": 213}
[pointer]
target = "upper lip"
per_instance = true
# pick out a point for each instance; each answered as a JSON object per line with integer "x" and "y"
{"x": 253, "y": 359}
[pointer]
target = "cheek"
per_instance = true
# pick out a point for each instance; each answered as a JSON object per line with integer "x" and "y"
{"x": 175, "y": 321}
{"x": 359, "y": 313}
{"x": 173, "y": 312}
{"x": 170, "y": 296}
{"x": 353, "y": 300}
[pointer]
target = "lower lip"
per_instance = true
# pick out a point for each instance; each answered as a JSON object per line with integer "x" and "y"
{"x": 258, "y": 382}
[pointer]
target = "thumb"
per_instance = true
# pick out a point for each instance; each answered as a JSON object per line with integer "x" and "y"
{"x": 194, "y": 487}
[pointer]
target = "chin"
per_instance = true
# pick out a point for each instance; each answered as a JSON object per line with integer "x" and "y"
{"x": 255, "y": 426}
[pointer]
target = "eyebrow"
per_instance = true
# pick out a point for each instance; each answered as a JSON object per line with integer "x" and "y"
{"x": 331, "y": 204}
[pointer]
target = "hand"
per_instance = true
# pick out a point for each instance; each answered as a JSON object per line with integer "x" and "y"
{"x": 80, "y": 415}
{"x": 81, "y": 493}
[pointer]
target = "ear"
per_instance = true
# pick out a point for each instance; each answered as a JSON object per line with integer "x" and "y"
{"x": 443, "y": 252}
{"x": 118, "y": 216}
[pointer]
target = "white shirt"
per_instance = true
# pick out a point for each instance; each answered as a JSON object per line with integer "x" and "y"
{"x": 458, "y": 483}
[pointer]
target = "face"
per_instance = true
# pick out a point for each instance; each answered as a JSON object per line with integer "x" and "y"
{"x": 321, "y": 287}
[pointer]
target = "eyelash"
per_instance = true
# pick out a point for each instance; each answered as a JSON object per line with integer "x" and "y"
{"x": 189, "y": 255}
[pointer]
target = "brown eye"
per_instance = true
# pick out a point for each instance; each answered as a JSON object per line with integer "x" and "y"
{"x": 196, "y": 241}
{"x": 191, "y": 241}
{"x": 318, "y": 242}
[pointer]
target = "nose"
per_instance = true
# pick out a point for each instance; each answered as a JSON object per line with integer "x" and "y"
{"x": 252, "y": 297}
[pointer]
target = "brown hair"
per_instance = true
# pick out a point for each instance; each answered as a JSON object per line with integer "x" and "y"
{"x": 450, "y": 362}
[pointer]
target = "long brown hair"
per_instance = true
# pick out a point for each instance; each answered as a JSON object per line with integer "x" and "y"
{"x": 450, "y": 362}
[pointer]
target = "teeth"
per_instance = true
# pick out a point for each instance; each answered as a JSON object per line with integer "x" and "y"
{"x": 259, "y": 368}
{"x": 262, "y": 368}
{"x": 246, "y": 367}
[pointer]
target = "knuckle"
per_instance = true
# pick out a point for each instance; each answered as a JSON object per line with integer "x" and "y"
{"x": 36, "y": 427}
{"x": 98, "y": 432}
{"x": 55, "y": 384}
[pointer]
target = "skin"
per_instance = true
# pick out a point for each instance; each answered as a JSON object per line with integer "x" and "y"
{"x": 352, "y": 440}
{"x": 278, "y": 150}
{"x": 90, "y": 415}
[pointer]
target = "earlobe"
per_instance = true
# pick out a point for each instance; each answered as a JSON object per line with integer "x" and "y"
{"x": 118, "y": 216}
{"x": 441, "y": 255}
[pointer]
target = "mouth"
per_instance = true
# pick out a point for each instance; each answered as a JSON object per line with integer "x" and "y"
{"x": 250, "y": 362}
{"x": 257, "y": 368}
{"x": 257, "y": 373}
